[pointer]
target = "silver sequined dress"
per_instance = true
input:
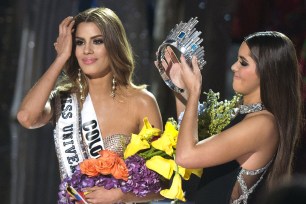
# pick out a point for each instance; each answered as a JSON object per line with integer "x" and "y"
{"x": 116, "y": 143}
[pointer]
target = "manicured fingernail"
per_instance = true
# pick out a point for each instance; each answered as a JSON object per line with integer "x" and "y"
{"x": 86, "y": 192}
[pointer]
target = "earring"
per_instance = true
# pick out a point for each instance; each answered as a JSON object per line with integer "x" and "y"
{"x": 80, "y": 86}
{"x": 113, "y": 87}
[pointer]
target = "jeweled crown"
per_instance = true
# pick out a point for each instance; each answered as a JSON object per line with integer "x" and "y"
{"x": 185, "y": 38}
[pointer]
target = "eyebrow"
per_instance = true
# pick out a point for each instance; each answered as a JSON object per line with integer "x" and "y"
{"x": 93, "y": 37}
{"x": 243, "y": 58}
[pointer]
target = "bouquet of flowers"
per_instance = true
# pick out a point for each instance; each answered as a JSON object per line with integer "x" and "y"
{"x": 148, "y": 163}
{"x": 158, "y": 151}
{"x": 149, "y": 158}
{"x": 111, "y": 171}
{"x": 214, "y": 115}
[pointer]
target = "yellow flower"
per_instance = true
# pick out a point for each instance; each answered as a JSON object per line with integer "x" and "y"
{"x": 161, "y": 165}
{"x": 185, "y": 173}
{"x": 141, "y": 141}
{"x": 168, "y": 139}
{"x": 147, "y": 131}
{"x": 136, "y": 144}
{"x": 175, "y": 191}
{"x": 164, "y": 144}
{"x": 171, "y": 132}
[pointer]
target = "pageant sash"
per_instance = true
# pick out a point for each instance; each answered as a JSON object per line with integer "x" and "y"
{"x": 90, "y": 128}
{"x": 69, "y": 144}
{"x": 71, "y": 147}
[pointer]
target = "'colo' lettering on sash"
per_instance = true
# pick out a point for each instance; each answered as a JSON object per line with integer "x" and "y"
{"x": 92, "y": 137}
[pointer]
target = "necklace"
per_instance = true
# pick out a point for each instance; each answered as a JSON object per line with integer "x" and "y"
{"x": 251, "y": 108}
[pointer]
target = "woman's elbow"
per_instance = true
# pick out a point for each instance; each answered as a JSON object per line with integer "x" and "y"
{"x": 24, "y": 119}
{"x": 181, "y": 160}
{"x": 186, "y": 160}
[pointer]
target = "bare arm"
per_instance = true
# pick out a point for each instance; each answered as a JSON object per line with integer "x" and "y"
{"x": 35, "y": 110}
{"x": 101, "y": 196}
{"x": 252, "y": 142}
{"x": 192, "y": 79}
{"x": 148, "y": 107}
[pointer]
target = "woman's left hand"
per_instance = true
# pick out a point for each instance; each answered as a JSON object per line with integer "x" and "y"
{"x": 100, "y": 195}
{"x": 191, "y": 76}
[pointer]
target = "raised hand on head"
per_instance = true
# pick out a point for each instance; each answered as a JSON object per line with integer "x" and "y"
{"x": 63, "y": 44}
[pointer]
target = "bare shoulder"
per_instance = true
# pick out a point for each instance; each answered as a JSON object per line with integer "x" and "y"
{"x": 256, "y": 134}
{"x": 260, "y": 118}
{"x": 263, "y": 113}
{"x": 261, "y": 123}
{"x": 145, "y": 105}
{"x": 143, "y": 97}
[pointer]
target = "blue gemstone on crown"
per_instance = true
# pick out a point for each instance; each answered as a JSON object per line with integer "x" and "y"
{"x": 194, "y": 47}
{"x": 181, "y": 35}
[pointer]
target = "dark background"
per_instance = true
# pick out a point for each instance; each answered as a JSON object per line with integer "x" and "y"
{"x": 28, "y": 28}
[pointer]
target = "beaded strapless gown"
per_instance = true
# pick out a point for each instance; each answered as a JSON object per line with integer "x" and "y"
{"x": 116, "y": 143}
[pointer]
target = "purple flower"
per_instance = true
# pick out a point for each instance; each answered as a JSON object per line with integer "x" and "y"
{"x": 141, "y": 180}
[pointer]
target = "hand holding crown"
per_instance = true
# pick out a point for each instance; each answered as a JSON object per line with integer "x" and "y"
{"x": 182, "y": 40}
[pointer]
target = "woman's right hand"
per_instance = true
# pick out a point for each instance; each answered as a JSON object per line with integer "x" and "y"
{"x": 172, "y": 67}
{"x": 63, "y": 44}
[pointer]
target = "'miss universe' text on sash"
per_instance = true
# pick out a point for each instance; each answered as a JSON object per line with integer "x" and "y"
{"x": 68, "y": 141}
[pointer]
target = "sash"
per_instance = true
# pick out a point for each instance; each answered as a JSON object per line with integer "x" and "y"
{"x": 71, "y": 147}
{"x": 68, "y": 141}
{"x": 90, "y": 129}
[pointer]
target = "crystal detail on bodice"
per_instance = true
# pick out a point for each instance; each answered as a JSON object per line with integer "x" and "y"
{"x": 116, "y": 143}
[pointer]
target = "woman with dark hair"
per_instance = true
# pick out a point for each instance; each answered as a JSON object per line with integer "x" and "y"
{"x": 256, "y": 150}
{"x": 94, "y": 104}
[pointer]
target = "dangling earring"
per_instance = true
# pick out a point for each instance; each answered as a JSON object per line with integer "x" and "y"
{"x": 80, "y": 86}
{"x": 113, "y": 87}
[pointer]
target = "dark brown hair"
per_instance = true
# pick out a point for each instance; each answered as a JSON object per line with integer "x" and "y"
{"x": 280, "y": 88}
